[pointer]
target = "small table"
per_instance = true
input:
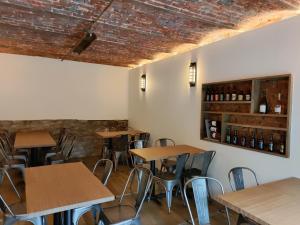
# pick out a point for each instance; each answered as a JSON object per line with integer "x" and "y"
{"x": 158, "y": 153}
{"x": 62, "y": 187}
{"x": 275, "y": 203}
{"x": 34, "y": 140}
{"x": 108, "y": 135}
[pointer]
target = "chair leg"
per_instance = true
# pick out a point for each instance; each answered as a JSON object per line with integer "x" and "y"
{"x": 169, "y": 199}
{"x": 181, "y": 192}
{"x": 116, "y": 159}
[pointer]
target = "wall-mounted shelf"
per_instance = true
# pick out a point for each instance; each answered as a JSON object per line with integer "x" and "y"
{"x": 243, "y": 115}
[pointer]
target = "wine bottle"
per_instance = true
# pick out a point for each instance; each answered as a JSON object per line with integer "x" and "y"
{"x": 207, "y": 97}
{"x": 248, "y": 95}
{"x": 260, "y": 142}
{"x": 240, "y": 96}
{"x": 271, "y": 144}
{"x": 228, "y": 135}
{"x": 282, "y": 145}
{"x": 227, "y": 96}
{"x": 222, "y": 95}
{"x": 277, "y": 108}
{"x": 243, "y": 140}
{"x": 233, "y": 94}
{"x": 212, "y": 95}
{"x": 216, "y": 95}
{"x": 263, "y": 104}
{"x": 252, "y": 140}
{"x": 235, "y": 138}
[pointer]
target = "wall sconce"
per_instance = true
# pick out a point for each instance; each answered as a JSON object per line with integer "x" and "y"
{"x": 143, "y": 82}
{"x": 193, "y": 74}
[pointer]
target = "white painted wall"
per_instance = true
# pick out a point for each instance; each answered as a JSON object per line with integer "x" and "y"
{"x": 42, "y": 88}
{"x": 170, "y": 108}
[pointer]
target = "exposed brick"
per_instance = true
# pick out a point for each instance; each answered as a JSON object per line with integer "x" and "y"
{"x": 129, "y": 31}
{"x": 87, "y": 142}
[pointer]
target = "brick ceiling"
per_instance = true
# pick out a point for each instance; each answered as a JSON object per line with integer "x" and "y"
{"x": 127, "y": 32}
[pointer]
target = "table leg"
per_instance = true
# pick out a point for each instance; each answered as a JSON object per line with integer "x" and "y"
{"x": 67, "y": 217}
{"x": 57, "y": 219}
{"x": 153, "y": 195}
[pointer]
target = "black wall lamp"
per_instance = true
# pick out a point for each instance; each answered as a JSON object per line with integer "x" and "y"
{"x": 193, "y": 74}
{"x": 143, "y": 82}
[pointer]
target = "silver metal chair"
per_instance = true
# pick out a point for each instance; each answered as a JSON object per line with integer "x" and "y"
{"x": 237, "y": 183}
{"x": 122, "y": 214}
{"x": 137, "y": 144}
{"x": 199, "y": 165}
{"x": 65, "y": 153}
{"x": 9, "y": 150}
{"x": 107, "y": 166}
{"x": 201, "y": 194}
{"x": 169, "y": 163}
{"x": 145, "y": 138}
{"x": 9, "y": 163}
{"x": 17, "y": 211}
{"x": 4, "y": 173}
{"x": 170, "y": 180}
{"x": 120, "y": 148}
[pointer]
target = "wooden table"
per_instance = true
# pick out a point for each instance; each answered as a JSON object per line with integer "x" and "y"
{"x": 276, "y": 203}
{"x": 62, "y": 187}
{"x": 113, "y": 134}
{"x": 34, "y": 140}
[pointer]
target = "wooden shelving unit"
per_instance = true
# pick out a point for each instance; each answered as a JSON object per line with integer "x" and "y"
{"x": 243, "y": 116}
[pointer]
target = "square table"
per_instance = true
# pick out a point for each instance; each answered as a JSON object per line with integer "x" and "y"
{"x": 62, "y": 187}
{"x": 35, "y": 141}
{"x": 113, "y": 134}
{"x": 275, "y": 203}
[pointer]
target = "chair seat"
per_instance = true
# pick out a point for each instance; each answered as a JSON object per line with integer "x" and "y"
{"x": 58, "y": 158}
{"x": 116, "y": 214}
{"x": 165, "y": 176}
{"x": 193, "y": 172}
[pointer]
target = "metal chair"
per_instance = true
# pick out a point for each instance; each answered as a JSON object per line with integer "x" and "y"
{"x": 145, "y": 138}
{"x": 17, "y": 211}
{"x": 9, "y": 163}
{"x": 7, "y": 147}
{"x": 122, "y": 214}
{"x": 237, "y": 183}
{"x": 95, "y": 209}
{"x": 4, "y": 173}
{"x": 203, "y": 160}
{"x": 137, "y": 144}
{"x": 120, "y": 148}
{"x": 201, "y": 194}
{"x": 170, "y": 180}
{"x": 65, "y": 154}
{"x": 170, "y": 163}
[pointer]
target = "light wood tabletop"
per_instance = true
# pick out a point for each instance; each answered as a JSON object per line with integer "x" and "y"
{"x": 34, "y": 139}
{"x": 112, "y": 134}
{"x": 61, "y": 187}
{"x": 276, "y": 203}
{"x": 157, "y": 153}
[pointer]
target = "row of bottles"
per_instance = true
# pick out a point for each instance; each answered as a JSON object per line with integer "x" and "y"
{"x": 214, "y": 94}
{"x": 256, "y": 143}
{"x": 265, "y": 108}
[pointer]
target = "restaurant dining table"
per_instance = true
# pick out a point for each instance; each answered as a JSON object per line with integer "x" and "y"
{"x": 108, "y": 135}
{"x": 60, "y": 188}
{"x": 158, "y": 153}
{"x": 275, "y": 203}
{"x": 35, "y": 141}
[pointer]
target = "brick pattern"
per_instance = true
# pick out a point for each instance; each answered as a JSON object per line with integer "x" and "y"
{"x": 129, "y": 31}
{"x": 87, "y": 142}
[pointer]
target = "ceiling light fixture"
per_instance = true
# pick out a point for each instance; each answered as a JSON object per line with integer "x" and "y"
{"x": 85, "y": 42}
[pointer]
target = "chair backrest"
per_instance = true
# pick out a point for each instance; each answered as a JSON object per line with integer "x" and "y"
{"x": 108, "y": 167}
{"x": 5, "y": 207}
{"x": 3, "y": 154}
{"x": 236, "y": 178}
{"x": 62, "y": 137}
{"x": 163, "y": 142}
{"x": 3, "y": 172}
{"x": 145, "y": 179}
{"x": 145, "y": 137}
{"x": 201, "y": 194}
{"x": 120, "y": 143}
{"x": 137, "y": 144}
{"x": 5, "y": 144}
{"x": 68, "y": 146}
{"x": 180, "y": 164}
{"x": 206, "y": 158}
